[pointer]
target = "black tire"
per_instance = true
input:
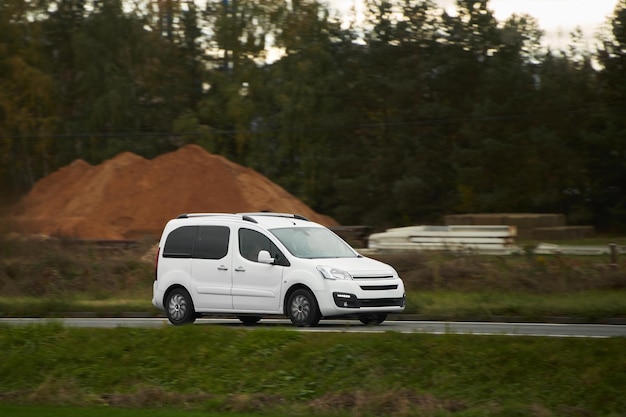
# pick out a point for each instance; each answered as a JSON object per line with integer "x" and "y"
{"x": 179, "y": 307}
{"x": 249, "y": 320}
{"x": 302, "y": 308}
{"x": 373, "y": 318}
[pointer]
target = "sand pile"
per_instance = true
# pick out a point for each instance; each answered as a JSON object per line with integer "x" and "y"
{"x": 129, "y": 197}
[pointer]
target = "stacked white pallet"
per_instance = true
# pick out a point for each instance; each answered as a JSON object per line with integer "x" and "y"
{"x": 496, "y": 239}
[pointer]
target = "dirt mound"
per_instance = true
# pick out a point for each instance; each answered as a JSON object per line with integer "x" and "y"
{"x": 129, "y": 197}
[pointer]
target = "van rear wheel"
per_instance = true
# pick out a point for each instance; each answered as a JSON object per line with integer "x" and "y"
{"x": 179, "y": 307}
{"x": 302, "y": 308}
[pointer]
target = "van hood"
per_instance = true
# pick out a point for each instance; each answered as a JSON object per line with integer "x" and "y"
{"x": 359, "y": 267}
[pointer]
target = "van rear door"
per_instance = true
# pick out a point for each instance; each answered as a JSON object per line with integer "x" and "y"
{"x": 211, "y": 268}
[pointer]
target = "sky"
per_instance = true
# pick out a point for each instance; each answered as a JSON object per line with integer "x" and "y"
{"x": 557, "y": 18}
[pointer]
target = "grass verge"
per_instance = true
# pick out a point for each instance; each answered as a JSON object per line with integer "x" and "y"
{"x": 586, "y": 306}
{"x": 283, "y": 372}
{"x": 101, "y": 411}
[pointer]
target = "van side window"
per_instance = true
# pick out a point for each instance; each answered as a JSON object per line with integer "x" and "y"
{"x": 179, "y": 243}
{"x": 211, "y": 242}
{"x": 252, "y": 242}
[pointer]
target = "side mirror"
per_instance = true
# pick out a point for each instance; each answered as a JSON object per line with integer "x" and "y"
{"x": 265, "y": 258}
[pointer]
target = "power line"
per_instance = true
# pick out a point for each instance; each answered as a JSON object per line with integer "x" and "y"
{"x": 594, "y": 108}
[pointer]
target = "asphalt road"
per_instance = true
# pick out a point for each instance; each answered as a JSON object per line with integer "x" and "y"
{"x": 403, "y": 326}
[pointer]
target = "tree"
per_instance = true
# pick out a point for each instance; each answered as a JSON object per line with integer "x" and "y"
{"x": 607, "y": 144}
{"x": 118, "y": 81}
{"x": 303, "y": 104}
{"x": 395, "y": 162}
{"x": 27, "y": 103}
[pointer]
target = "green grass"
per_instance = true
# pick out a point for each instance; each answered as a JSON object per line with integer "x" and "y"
{"x": 101, "y": 411}
{"x": 590, "y": 306}
{"x": 75, "y": 304}
{"x": 283, "y": 372}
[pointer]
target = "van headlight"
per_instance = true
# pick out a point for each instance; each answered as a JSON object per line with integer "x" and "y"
{"x": 329, "y": 272}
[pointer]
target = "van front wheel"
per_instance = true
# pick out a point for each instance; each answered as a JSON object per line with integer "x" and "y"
{"x": 179, "y": 307}
{"x": 302, "y": 308}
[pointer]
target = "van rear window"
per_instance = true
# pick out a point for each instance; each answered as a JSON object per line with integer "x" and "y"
{"x": 211, "y": 242}
{"x": 179, "y": 243}
{"x": 201, "y": 242}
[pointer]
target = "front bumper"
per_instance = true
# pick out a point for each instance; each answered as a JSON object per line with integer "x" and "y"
{"x": 347, "y": 300}
{"x": 364, "y": 296}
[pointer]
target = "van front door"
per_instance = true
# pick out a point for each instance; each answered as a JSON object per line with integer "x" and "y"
{"x": 256, "y": 286}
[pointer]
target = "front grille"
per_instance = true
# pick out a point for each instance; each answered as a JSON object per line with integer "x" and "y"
{"x": 379, "y": 287}
{"x": 357, "y": 277}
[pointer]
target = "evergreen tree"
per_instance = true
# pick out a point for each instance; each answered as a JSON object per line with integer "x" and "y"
{"x": 606, "y": 160}
{"x": 27, "y": 102}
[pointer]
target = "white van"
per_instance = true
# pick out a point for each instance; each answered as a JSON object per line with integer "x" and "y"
{"x": 252, "y": 265}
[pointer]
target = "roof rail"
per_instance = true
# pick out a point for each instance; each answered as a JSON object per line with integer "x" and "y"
{"x": 272, "y": 214}
{"x": 242, "y": 216}
{"x": 188, "y": 215}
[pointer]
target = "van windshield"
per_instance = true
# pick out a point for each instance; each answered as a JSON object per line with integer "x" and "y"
{"x": 313, "y": 242}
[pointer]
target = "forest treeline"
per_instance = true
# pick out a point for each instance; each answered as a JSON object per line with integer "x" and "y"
{"x": 411, "y": 114}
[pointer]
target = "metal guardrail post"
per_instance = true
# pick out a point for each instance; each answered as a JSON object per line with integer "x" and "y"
{"x": 613, "y": 252}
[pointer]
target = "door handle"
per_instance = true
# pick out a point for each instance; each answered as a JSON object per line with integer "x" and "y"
{"x": 240, "y": 269}
{"x": 222, "y": 268}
